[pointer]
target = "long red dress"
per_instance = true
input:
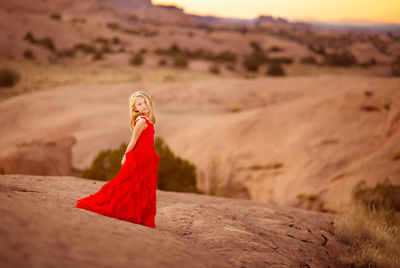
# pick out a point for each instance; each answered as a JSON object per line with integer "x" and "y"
{"x": 131, "y": 194}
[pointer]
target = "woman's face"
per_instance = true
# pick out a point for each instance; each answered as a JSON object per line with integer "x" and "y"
{"x": 141, "y": 105}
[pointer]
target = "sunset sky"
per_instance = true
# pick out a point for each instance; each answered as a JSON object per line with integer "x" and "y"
{"x": 348, "y": 10}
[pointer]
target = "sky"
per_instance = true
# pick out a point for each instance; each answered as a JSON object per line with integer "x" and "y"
{"x": 383, "y": 11}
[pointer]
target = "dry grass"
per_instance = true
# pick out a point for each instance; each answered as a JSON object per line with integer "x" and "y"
{"x": 36, "y": 76}
{"x": 372, "y": 236}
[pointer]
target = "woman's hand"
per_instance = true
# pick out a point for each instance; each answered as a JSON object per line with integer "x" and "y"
{"x": 123, "y": 160}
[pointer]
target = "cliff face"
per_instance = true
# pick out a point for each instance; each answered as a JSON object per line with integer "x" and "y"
{"x": 40, "y": 226}
{"x": 128, "y": 4}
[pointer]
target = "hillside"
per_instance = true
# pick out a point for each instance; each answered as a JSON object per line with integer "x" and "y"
{"x": 297, "y": 141}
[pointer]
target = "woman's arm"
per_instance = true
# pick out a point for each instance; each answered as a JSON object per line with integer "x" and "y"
{"x": 137, "y": 130}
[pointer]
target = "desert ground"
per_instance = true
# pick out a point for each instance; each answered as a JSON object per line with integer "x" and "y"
{"x": 40, "y": 227}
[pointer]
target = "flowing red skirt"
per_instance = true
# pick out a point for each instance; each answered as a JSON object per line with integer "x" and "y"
{"x": 131, "y": 194}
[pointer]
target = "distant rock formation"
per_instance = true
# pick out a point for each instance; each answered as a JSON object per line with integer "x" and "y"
{"x": 44, "y": 156}
{"x": 128, "y": 4}
{"x": 170, "y": 7}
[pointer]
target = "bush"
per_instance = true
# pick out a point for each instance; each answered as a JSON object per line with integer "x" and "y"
{"x": 162, "y": 62}
{"x": 101, "y": 40}
{"x": 253, "y": 61}
{"x": 383, "y": 195}
{"x": 105, "y": 49}
{"x": 283, "y": 60}
{"x": 28, "y": 54}
{"x": 275, "y": 49}
{"x": 98, "y": 55}
{"x": 8, "y": 77}
{"x": 226, "y": 55}
{"x": 372, "y": 238}
{"x": 319, "y": 49}
{"x": 346, "y": 58}
{"x": 174, "y": 173}
{"x": 113, "y": 25}
{"x": 275, "y": 69}
{"x": 214, "y": 69}
{"x": 395, "y": 65}
{"x": 230, "y": 66}
{"x": 366, "y": 64}
{"x": 29, "y": 37}
{"x": 67, "y": 53}
{"x": 116, "y": 40}
{"x": 372, "y": 230}
{"x": 180, "y": 60}
{"x": 47, "y": 43}
{"x": 78, "y": 20}
{"x": 137, "y": 59}
{"x": 55, "y": 16}
{"x": 308, "y": 60}
{"x": 85, "y": 48}
{"x": 106, "y": 165}
{"x": 256, "y": 46}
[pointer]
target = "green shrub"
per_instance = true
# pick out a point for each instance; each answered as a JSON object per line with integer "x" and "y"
{"x": 180, "y": 60}
{"x": 275, "y": 69}
{"x": 8, "y": 77}
{"x": 174, "y": 173}
{"x": 137, "y": 59}
{"x": 345, "y": 58}
{"x": 28, "y": 54}
{"x": 106, "y": 165}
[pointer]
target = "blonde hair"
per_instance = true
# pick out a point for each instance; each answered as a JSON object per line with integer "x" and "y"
{"x": 132, "y": 109}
